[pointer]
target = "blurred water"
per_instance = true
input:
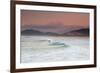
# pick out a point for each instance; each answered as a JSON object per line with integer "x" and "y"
{"x": 53, "y": 48}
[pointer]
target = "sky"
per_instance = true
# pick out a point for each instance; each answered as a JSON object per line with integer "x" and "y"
{"x": 50, "y": 21}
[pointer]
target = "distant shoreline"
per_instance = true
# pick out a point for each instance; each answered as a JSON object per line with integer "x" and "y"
{"x": 59, "y": 35}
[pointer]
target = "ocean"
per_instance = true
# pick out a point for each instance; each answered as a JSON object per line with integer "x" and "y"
{"x": 54, "y": 48}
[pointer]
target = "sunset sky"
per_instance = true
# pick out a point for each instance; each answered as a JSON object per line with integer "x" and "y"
{"x": 53, "y": 21}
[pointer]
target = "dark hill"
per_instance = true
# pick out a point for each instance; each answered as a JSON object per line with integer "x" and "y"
{"x": 80, "y": 32}
{"x": 36, "y": 32}
{"x": 84, "y": 32}
{"x": 30, "y": 32}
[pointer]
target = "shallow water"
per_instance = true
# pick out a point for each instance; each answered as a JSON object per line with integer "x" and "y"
{"x": 53, "y": 48}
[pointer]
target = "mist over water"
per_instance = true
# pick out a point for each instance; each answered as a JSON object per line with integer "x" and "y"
{"x": 54, "y": 48}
